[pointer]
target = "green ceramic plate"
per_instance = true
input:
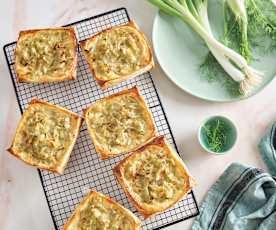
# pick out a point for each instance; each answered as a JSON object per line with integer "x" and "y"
{"x": 180, "y": 53}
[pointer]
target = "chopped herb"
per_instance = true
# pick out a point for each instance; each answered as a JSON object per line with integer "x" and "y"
{"x": 213, "y": 72}
{"x": 216, "y": 135}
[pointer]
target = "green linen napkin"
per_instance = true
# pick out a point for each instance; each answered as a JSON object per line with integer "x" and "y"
{"x": 267, "y": 149}
{"x": 243, "y": 198}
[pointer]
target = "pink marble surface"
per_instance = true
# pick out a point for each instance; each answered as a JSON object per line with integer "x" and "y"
{"x": 22, "y": 202}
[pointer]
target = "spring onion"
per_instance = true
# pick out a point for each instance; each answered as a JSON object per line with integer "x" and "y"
{"x": 195, "y": 14}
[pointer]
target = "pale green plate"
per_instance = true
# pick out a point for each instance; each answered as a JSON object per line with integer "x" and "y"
{"x": 180, "y": 53}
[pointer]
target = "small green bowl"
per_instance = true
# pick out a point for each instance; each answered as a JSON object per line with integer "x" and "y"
{"x": 231, "y": 134}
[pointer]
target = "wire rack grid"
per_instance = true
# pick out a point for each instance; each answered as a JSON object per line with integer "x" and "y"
{"x": 85, "y": 170}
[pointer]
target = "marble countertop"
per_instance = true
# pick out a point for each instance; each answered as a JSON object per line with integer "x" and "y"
{"x": 22, "y": 201}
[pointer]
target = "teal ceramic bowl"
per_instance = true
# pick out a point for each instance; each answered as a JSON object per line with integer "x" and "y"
{"x": 230, "y": 132}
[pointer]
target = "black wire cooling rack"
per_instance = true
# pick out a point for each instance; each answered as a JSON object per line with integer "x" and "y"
{"x": 85, "y": 170}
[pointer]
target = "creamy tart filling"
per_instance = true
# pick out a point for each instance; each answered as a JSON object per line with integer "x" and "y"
{"x": 118, "y": 52}
{"x": 119, "y": 123}
{"x": 44, "y": 136}
{"x": 45, "y": 53}
{"x": 99, "y": 213}
{"x": 153, "y": 176}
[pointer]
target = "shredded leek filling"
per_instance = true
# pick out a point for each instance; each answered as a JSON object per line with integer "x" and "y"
{"x": 44, "y": 136}
{"x": 45, "y": 53}
{"x": 118, "y": 52}
{"x": 101, "y": 214}
{"x": 153, "y": 176}
{"x": 119, "y": 123}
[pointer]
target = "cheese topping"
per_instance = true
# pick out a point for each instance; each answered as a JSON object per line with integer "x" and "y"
{"x": 45, "y": 53}
{"x": 118, "y": 52}
{"x": 119, "y": 123}
{"x": 100, "y": 213}
{"x": 154, "y": 176}
{"x": 44, "y": 136}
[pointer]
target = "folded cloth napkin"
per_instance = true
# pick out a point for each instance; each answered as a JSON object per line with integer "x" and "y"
{"x": 267, "y": 149}
{"x": 243, "y": 198}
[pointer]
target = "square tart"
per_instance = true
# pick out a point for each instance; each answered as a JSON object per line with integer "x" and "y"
{"x": 117, "y": 54}
{"x": 154, "y": 177}
{"x": 119, "y": 123}
{"x": 45, "y": 136}
{"x": 46, "y": 55}
{"x": 98, "y": 211}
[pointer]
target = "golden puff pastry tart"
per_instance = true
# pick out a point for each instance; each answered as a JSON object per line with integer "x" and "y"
{"x": 120, "y": 123}
{"x": 45, "y": 136}
{"x": 154, "y": 177}
{"x": 117, "y": 54}
{"x": 98, "y": 211}
{"x": 46, "y": 55}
